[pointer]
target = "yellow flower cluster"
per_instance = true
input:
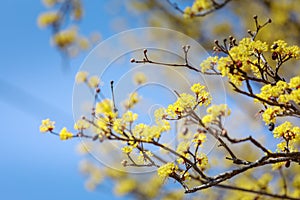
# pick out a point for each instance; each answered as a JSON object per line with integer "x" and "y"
{"x": 105, "y": 108}
{"x": 132, "y": 100}
{"x": 65, "y": 38}
{"x": 49, "y": 3}
{"x": 81, "y": 77}
{"x": 81, "y": 125}
{"x": 281, "y": 48}
{"x": 283, "y": 93}
{"x": 124, "y": 186}
{"x": 214, "y": 112}
{"x": 48, "y": 18}
{"x": 47, "y": 125}
{"x": 127, "y": 149}
{"x": 165, "y": 170}
{"x": 198, "y": 6}
{"x": 93, "y": 82}
{"x": 287, "y": 131}
{"x": 199, "y": 138}
{"x": 270, "y": 114}
{"x": 202, "y": 161}
{"x": 64, "y": 134}
{"x": 209, "y": 63}
{"x": 182, "y": 149}
{"x": 186, "y": 102}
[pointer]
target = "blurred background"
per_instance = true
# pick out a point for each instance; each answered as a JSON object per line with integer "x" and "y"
{"x": 37, "y": 78}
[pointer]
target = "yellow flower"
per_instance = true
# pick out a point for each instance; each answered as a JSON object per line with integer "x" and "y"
{"x": 125, "y": 186}
{"x": 295, "y": 82}
{"x": 132, "y": 100}
{"x": 207, "y": 119}
{"x": 65, "y": 38}
{"x": 47, "y": 125}
{"x": 105, "y": 107}
{"x": 129, "y": 116}
{"x": 202, "y": 161}
{"x": 64, "y": 134}
{"x": 81, "y": 124}
{"x": 81, "y": 77}
{"x": 197, "y": 88}
{"x": 93, "y": 82}
{"x": 139, "y": 78}
{"x": 167, "y": 169}
{"x": 48, "y": 18}
{"x": 49, "y": 3}
{"x": 83, "y": 43}
{"x": 127, "y": 149}
{"x": 287, "y": 131}
{"x": 199, "y": 138}
{"x": 209, "y": 63}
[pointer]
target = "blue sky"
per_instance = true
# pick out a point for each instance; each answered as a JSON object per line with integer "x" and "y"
{"x": 33, "y": 86}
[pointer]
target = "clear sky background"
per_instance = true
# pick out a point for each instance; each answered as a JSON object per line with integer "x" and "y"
{"x": 33, "y": 85}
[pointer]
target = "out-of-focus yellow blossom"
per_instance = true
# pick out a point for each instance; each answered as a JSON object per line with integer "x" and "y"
{"x": 64, "y": 134}
{"x": 264, "y": 180}
{"x": 93, "y": 82}
{"x": 207, "y": 119}
{"x": 65, "y": 38}
{"x": 81, "y": 77}
{"x": 199, "y": 138}
{"x": 287, "y": 131}
{"x": 296, "y": 181}
{"x": 115, "y": 174}
{"x": 127, "y": 149}
{"x": 198, "y": 6}
{"x": 77, "y": 10}
{"x": 84, "y": 148}
{"x": 139, "y": 129}
{"x": 278, "y": 165}
{"x": 103, "y": 124}
{"x": 81, "y": 125}
{"x": 139, "y": 78}
{"x": 83, "y": 43}
{"x": 129, "y": 116}
{"x": 174, "y": 195}
{"x": 49, "y": 3}
{"x": 202, "y": 161}
{"x": 160, "y": 114}
{"x": 182, "y": 149}
{"x": 119, "y": 126}
{"x": 105, "y": 107}
{"x": 48, "y": 18}
{"x": 165, "y": 170}
{"x": 125, "y": 186}
{"x": 214, "y": 112}
{"x": 132, "y": 100}
{"x": 47, "y": 125}
{"x": 188, "y": 13}
{"x": 295, "y": 96}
